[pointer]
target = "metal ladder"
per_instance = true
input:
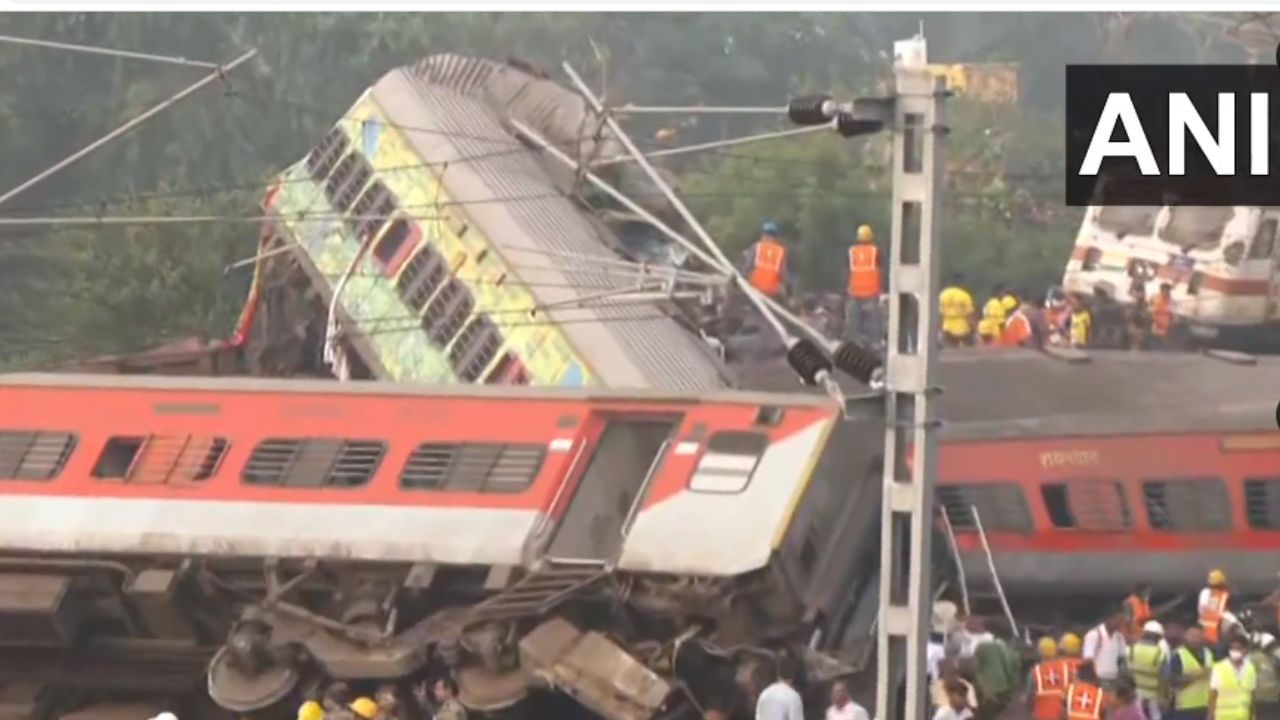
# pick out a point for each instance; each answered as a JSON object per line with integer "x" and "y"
{"x": 537, "y": 592}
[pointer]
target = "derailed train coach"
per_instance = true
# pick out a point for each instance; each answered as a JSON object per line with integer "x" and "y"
{"x": 618, "y": 545}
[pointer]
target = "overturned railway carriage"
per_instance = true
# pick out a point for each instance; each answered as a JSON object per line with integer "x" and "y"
{"x": 365, "y": 531}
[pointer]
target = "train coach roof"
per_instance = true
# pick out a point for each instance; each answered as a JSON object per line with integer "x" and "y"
{"x": 990, "y": 394}
{"x": 462, "y": 108}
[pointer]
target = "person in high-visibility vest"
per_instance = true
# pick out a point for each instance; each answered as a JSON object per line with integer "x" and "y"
{"x": 1048, "y": 682}
{"x": 991, "y": 326}
{"x": 862, "y": 321}
{"x": 955, "y": 305}
{"x": 1266, "y": 696}
{"x": 1069, "y": 647}
{"x": 1137, "y": 609}
{"x": 1085, "y": 699}
{"x": 1212, "y": 605}
{"x": 1232, "y": 684}
{"x": 767, "y": 263}
{"x": 1147, "y": 658}
{"x": 1080, "y": 325}
{"x": 1161, "y": 316}
{"x": 1188, "y": 674}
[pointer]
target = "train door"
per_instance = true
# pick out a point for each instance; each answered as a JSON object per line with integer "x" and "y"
{"x": 621, "y": 461}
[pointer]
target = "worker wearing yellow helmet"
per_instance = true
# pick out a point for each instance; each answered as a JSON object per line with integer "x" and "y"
{"x": 1048, "y": 682}
{"x": 311, "y": 710}
{"x": 1212, "y": 606}
{"x": 364, "y": 707}
{"x": 993, "y": 317}
{"x": 862, "y": 316}
{"x": 955, "y": 305}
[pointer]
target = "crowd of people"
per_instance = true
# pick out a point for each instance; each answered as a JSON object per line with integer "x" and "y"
{"x": 1008, "y": 318}
{"x": 437, "y": 700}
{"x": 1130, "y": 666}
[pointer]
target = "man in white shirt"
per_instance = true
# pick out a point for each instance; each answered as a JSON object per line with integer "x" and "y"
{"x": 1105, "y": 647}
{"x": 780, "y": 701}
{"x": 842, "y": 706}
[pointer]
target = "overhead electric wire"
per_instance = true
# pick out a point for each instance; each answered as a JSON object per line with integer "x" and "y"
{"x": 98, "y": 50}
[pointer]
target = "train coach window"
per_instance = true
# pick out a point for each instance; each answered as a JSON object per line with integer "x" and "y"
{"x": 1093, "y": 505}
{"x": 314, "y": 462}
{"x": 1262, "y": 503}
{"x": 1002, "y": 507}
{"x": 32, "y": 455}
{"x": 160, "y": 459}
{"x": 1187, "y": 504}
{"x": 477, "y": 467}
{"x": 728, "y": 462}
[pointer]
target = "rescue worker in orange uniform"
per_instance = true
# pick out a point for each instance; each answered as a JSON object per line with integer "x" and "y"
{"x": 1137, "y": 610}
{"x": 1085, "y": 700}
{"x": 767, "y": 263}
{"x": 862, "y": 321}
{"x": 1069, "y": 647}
{"x": 1161, "y": 316}
{"x": 1020, "y": 329}
{"x": 1048, "y": 685}
{"x": 1211, "y": 606}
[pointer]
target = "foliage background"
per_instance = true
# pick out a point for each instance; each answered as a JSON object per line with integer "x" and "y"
{"x": 67, "y": 292}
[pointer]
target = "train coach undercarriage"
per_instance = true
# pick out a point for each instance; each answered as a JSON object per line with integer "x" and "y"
{"x": 260, "y": 635}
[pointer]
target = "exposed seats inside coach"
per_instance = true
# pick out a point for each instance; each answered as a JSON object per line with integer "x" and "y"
{"x": 623, "y": 459}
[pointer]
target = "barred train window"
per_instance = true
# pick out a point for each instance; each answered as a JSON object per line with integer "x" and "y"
{"x": 314, "y": 462}
{"x": 1091, "y": 505}
{"x": 367, "y": 207}
{"x": 325, "y": 155}
{"x": 350, "y": 190}
{"x": 1002, "y": 507}
{"x": 445, "y": 314}
{"x": 1262, "y": 503}
{"x": 474, "y": 348}
{"x": 420, "y": 278}
{"x": 338, "y": 178}
{"x": 160, "y": 459}
{"x": 34, "y": 455}
{"x": 728, "y": 462}
{"x": 1187, "y": 504}
{"x": 472, "y": 467}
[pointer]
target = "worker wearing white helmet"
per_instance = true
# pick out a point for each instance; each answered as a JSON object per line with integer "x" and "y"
{"x": 1147, "y": 657}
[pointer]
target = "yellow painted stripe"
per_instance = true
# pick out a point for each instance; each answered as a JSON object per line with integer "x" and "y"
{"x": 809, "y": 471}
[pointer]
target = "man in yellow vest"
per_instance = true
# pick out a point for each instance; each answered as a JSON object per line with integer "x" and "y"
{"x": 955, "y": 305}
{"x": 991, "y": 326}
{"x": 862, "y": 320}
{"x": 1232, "y": 684}
{"x": 1188, "y": 673}
{"x": 1146, "y": 662}
{"x": 766, "y": 263}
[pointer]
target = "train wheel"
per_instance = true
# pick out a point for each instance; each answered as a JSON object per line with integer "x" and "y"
{"x": 241, "y": 692}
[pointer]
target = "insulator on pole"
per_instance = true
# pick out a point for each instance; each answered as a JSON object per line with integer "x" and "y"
{"x": 848, "y": 126}
{"x": 808, "y": 361}
{"x": 811, "y": 109}
{"x": 857, "y": 361}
